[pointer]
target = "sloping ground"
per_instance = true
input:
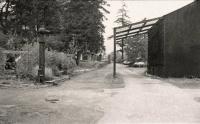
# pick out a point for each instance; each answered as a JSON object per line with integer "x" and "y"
{"x": 95, "y": 98}
{"x": 74, "y": 102}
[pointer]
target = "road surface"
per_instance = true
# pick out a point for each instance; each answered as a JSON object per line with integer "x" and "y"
{"x": 147, "y": 100}
{"x": 92, "y": 98}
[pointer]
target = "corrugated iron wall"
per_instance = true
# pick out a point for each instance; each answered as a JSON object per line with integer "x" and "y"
{"x": 174, "y": 44}
{"x": 182, "y": 41}
{"x": 155, "y": 49}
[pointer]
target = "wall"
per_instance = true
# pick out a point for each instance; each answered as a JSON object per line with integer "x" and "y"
{"x": 182, "y": 41}
{"x": 155, "y": 49}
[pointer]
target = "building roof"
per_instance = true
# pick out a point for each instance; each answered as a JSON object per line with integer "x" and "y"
{"x": 134, "y": 29}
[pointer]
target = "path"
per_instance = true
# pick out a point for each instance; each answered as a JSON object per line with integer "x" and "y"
{"x": 147, "y": 100}
{"x": 91, "y": 99}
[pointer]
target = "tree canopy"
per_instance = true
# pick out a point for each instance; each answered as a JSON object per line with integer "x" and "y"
{"x": 136, "y": 48}
{"x": 83, "y": 25}
{"x": 123, "y": 18}
{"x": 80, "y": 22}
{"x": 21, "y": 19}
{"x": 28, "y": 15}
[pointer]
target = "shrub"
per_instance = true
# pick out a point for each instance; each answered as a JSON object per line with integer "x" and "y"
{"x": 2, "y": 61}
{"x": 60, "y": 61}
{"x": 28, "y": 61}
{"x": 68, "y": 64}
{"x": 118, "y": 57}
{"x": 55, "y": 62}
{"x": 48, "y": 72}
{"x": 92, "y": 64}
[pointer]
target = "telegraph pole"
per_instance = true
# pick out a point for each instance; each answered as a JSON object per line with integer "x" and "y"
{"x": 122, "y": 50}
{"x": 114, "y": 55}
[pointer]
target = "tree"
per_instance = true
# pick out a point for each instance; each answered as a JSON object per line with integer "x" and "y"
{"x": 137, "y": 48}
{"x": 80, "y": 23}
{"x": 83, "y": 26}
{"x": 23, "y": 18}
{"x": 122, "y": 20}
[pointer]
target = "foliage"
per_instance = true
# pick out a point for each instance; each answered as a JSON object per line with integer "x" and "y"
{"x": 55, "y": 62}
{"x": 60, "y": 61}
{"x": 55, "y": 43}
{"x": 83, "y": 26}
{"x": 92, "y": 64}
{"x": 23, "y": 18}
{"x": 3, "y": 40}
{"x": 118, "y": 57}
{"x": 79, "y": 22}
{"x": 48, "y": 72}
{"x": 137, "y": 48}
{"x": 2, "y": 61}
{"x": 19, "y": 15}
{"x": 122, "y": 20}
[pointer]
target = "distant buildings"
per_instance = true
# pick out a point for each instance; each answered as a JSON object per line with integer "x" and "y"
{"x": 174, "y": 44}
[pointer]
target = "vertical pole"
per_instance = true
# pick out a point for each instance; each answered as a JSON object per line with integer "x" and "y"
{"x": 122, "y": 50}
{"x": 41, "y": 71}
{"x": 114, "y": 55}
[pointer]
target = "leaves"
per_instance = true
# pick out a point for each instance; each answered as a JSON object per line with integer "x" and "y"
{"x": 26, "y": 16}
{"x": 80, "y": 22}
{"x": 84, "y": 20}
{"x": 123, "y": 18}
{"x": 136, "y": 48}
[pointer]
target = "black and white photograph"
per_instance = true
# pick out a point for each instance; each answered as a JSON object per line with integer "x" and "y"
{"x": 99, "y": 61}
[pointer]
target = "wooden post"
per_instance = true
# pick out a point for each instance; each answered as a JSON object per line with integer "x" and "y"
{"x": 122, "y": 50}
{"x": 41, "y": 71}
{"x": 114, "y": 55}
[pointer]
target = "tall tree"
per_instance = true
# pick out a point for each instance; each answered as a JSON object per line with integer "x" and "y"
{"x": 83, "y": 26}
{"x": 23, "y": 18}
{"x": 122, "y": 20}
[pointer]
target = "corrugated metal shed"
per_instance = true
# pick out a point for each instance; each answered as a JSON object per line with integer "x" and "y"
{"x": 174, "y": 44}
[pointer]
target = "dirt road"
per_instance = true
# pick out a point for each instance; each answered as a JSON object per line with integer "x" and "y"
{"x": 93, "y": 98}
{"x": 147, "y": 100}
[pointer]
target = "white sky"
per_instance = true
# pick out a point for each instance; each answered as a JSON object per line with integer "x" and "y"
{"x": 138, "y": 10}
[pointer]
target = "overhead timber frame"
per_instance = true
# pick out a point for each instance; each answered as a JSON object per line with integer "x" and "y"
{"x": 130, "y": 31}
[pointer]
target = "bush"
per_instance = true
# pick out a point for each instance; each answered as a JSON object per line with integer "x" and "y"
{"x": 68, "y": 63}
{"x": 55, "y": 62}
{"x": 2, "y": 61}
{"x": 118, "y": 57}
{"x": 60, "y": 61}
{"x": 92, "y": 64}
{"x": 48, "y": 72}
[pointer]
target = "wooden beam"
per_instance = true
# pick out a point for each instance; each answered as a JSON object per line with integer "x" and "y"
{"x": 134, "y": 29}
{"x": 145, "y": 22}
{"x": 131, "y": 36}
{"x": 137, "y": 32}
{"x": 149, "y": 20}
